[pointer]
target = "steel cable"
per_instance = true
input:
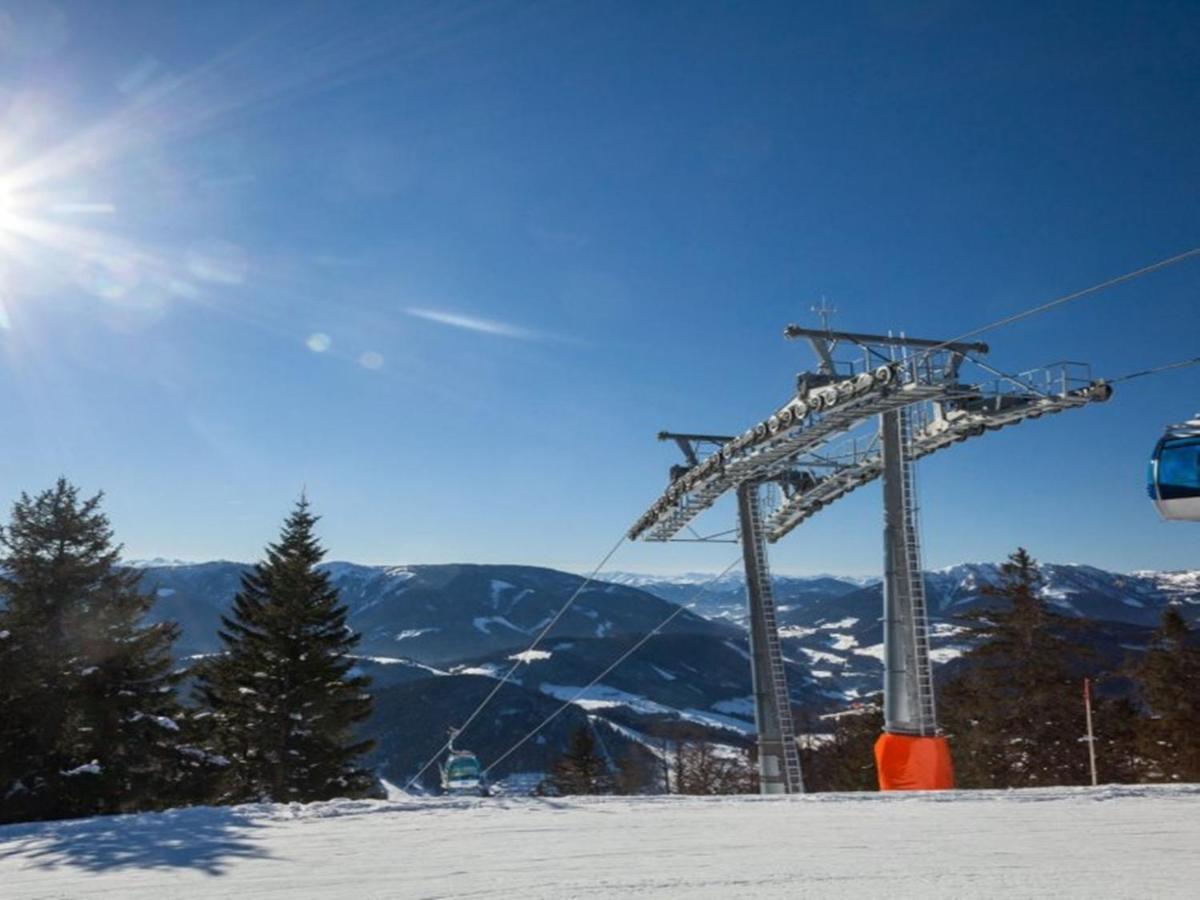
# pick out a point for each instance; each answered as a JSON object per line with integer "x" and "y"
{"x": 620, "y": 659}
{"x": 1065, "y": 298}
{"x": 1181, "y": 364}
{"x": 520, "y": 658}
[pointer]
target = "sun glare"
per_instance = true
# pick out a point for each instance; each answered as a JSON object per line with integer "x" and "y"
{"x": 6, "y": 206}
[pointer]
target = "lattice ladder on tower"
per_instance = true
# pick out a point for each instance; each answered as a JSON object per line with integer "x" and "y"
{"x": 925, "y": 706}
{"x": 778, "y": 756}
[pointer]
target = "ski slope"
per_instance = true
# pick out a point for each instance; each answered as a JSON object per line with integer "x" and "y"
{"x": 1075, "y": 842}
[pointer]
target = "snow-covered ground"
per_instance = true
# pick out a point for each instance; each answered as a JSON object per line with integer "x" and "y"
{"x": 1105, "y": 842}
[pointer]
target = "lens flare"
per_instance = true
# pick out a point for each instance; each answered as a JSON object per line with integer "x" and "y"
{"x": 123, "y": 202}
{"x": 6, "y": 205}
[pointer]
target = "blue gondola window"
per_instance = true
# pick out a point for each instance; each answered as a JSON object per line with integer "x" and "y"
{"x": 1179, "y": 469}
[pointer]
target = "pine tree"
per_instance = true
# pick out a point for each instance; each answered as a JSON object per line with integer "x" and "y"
{"x": 1015, "y": 713}
{"x": 89, "y": 720}
{"x": 1118, "y": 727}
{"x": 280, "y": 702}
{"x": 1168, "y": 683}
{"x": 581, "y": 770}
{"x": 16, "y": 732}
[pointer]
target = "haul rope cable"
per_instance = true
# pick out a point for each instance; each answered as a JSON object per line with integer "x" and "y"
{"x": 1065, "y": 298}
{"x": 620, "y": 659}
{"x": 520, "y": 658}
{"x": 1181, "y": 364}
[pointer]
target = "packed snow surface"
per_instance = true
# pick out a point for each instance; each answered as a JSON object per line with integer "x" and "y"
{"x": 1068, "y": 842}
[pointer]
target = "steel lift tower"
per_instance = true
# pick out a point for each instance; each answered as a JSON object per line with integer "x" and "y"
{"x": 911, "y": 748}
{"x": 849, "y": 422}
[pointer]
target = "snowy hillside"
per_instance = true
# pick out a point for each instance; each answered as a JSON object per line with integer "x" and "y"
{"x": 448, "y": 623}
{"x": 434, "y": 638}
{"x": 831, "y": 626}
{"x": 1069, "y": 842}
{"x": 725, "y": 598}
{"x": 674, "y": 683}
{"x": 432, "y": 614}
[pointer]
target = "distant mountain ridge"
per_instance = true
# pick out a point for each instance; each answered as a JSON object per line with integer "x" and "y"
{"x": 835, "y": 628}
{"x": 430, "y": 632}
{"x": 725, "y": 597}
{"x": 1078, "y": 590}
{"x": 435, "y": 637}
{"x": 434, "y": 614}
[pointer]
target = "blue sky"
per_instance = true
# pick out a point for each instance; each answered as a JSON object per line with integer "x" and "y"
{"x": 450, "y": 267}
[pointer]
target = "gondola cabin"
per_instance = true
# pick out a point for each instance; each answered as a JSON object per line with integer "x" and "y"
{"x": 1174, "y": 477}
{"x": 462, "y": 774}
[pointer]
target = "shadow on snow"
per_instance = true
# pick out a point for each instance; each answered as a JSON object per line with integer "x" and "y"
{"x": 205, "y": 839}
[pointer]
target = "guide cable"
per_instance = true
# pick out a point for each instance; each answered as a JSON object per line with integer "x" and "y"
{"x": 620, "y": 659}
{"x": 520, "y": 659}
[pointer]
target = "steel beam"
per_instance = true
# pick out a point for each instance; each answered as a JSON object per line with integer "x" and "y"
{"x": 791, "y": 332}
{"x": 908, "y": 701}
{"x": 778, "y": 756}
{"x": 936, "y": 436}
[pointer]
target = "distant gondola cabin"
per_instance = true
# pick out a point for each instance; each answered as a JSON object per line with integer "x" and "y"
{"x": 462, "y": 774}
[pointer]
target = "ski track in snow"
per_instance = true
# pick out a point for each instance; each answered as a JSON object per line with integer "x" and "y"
{"x": 1064, "y": 842}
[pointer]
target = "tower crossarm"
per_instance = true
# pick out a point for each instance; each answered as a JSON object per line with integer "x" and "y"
{"x": 791, "y": 332}
{"x": 980, "y": 412}
{"x": 809, "y": 422}
{"x": 803, "y": 424}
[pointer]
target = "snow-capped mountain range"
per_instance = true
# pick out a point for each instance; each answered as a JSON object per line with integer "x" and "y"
{"x": 431, "y": 632}
{"x": 1076, "y": 590}
{"x": 436, "y": 614}
{"x": 833, "y": 625}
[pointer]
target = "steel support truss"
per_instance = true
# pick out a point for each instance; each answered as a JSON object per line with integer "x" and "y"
{"x": 809, "y": 449}
{"x": 803, "y": 435}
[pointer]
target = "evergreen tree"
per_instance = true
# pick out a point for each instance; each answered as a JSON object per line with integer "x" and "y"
{"x": 1118, "y": 727}
{"x": 1015, "y": 712}
{"x": 280, "y": 702}
{"x": 581, "y": 770}
{"x": 1168, "y": 683}
{"x": 637, "y": 772}
{"x": 89, "y": 720}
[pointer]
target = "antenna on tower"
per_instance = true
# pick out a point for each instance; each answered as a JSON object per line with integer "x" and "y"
{"x": 825, "y": 312}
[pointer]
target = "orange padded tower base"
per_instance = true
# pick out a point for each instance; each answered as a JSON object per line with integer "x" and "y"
{"x": 906, "y": 762}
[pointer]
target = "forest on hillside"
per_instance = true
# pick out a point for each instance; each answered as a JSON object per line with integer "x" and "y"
{"x": 97, "y": 716}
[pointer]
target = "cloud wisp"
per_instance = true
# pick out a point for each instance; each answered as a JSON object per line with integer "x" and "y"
{"x": 483, "y": 326}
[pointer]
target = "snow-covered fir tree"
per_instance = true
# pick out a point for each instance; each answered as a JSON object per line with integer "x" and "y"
{"x": 281, "y": 702}
{"x": 89, "y": 721}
